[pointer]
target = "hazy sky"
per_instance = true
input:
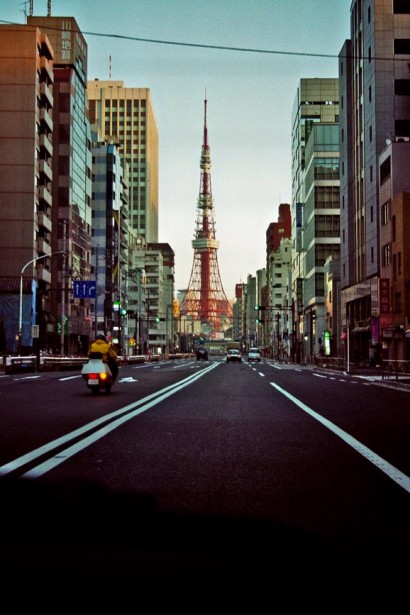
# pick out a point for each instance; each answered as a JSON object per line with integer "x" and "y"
{"x": 250, "y": 97}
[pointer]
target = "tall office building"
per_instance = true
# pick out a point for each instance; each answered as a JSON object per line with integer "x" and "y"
{"x": 109, "y": 241}
{"x": 71, "y": 186}
{"x": 315, "y": 203}
{"x": 374, "y": 111}
{"x": 125, "y": 116}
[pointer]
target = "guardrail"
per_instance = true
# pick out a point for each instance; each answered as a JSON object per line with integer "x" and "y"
{"x": 395, "y": 369}
{"x": 32, "y": 363}
{"x": 338, "y": 363}
{"x": 13, "y": 365}
{"x": 59, "y": 363}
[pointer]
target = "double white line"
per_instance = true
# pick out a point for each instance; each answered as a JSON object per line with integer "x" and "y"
{"x": 110, "y": 423}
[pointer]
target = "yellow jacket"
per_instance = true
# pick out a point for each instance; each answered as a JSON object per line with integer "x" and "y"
{"x": 106, "y": 350}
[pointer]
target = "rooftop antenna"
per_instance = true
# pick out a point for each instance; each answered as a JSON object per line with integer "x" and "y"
{"x": 109, "y": 68}
{"x": 48, "y": 8}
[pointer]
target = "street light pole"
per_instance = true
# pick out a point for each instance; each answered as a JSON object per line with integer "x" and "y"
{"x": 33, "y": 260}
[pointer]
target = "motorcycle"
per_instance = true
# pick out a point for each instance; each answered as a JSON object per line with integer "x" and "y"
{"x": 97, "y": 374}
{"x": 202, "y": 354}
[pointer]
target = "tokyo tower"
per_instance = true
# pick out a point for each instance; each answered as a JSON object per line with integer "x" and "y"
{"x": 205, "y": 298}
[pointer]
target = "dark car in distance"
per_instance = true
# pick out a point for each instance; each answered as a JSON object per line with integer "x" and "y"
{"x": 233, "y": 355}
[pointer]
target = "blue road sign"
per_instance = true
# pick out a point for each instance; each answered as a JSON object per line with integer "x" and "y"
{"x": 84, "y": 289}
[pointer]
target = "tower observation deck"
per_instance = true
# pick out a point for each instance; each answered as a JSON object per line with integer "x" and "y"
{"x": 205, "y": 298}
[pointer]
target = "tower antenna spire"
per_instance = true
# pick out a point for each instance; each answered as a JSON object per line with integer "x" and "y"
{"x": 205, "y": 298}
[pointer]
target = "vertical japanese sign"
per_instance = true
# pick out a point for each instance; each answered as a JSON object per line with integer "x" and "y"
{"x": 299, "y": 295}
{"x": 66, "y": 44}
{"x": 384, "y": 296}
{"x": 299, "y": 226}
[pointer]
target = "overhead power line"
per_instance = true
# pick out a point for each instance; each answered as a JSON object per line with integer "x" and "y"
{"x": 197, "y": 45}
{"x": 225, "y": 47}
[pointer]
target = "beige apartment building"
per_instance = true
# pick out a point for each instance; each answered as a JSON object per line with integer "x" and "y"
{"x": 125, "y": 116}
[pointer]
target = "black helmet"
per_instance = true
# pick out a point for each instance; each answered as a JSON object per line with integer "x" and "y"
{"x": 100, "y": 336}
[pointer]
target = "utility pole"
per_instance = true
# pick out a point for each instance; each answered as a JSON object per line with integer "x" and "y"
{"x": 63, "y": 276}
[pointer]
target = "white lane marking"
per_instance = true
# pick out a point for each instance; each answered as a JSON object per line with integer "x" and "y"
{"x": 145, "y": 403}
{"x": 396, "y": 475}
{"x": 70, "y": 377}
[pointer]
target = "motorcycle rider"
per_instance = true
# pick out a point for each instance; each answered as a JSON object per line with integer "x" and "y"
{"x": 107, "y": 353}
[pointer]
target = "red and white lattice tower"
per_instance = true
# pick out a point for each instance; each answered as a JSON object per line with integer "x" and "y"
{"x": 205, "y": 298}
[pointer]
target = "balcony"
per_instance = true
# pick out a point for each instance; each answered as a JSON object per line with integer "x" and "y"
{"x": 43, "y": 274}
{"x": 46, "y": 94}
{"x": 46, "y": 170}
{"x": 44, "y": 221}
{"x": 46, "y": 144}
{"x": 46, "y": 118}
{"x": 43, "y": 246}
{"x": 47, "y": 69}
{"x": 45, "y": 195}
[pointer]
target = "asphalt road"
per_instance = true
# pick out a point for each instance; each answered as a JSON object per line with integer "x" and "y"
{"x": 206, "y": 472}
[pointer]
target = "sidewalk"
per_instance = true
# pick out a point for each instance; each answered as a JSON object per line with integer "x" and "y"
{"x": 373, "y": 374}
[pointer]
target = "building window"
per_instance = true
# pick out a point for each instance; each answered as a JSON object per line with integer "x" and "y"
{"x": 402, "y": 128}
{"x": 370, "y": 133}
{"x": 370, "y": 94}
{"x": 386, "y": 255}
{"x": 401, "y": 7}
{"x": 402, "y": 87}
{"x": 385, "y": 170}
{"x": 397, "y": 303}
{"x": 370, "y": 54}
{"x": 371, "y": 172}
{"x": 393, "y": 228}
{"x": 385, "y": 217}
{"x": 402, "y": 46}
{"x": 372, "y": 254}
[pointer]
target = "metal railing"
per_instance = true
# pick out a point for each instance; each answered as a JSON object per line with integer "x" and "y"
{"x": 395, "y": 369}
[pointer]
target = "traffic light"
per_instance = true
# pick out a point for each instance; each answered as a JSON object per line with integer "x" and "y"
{"x": 123, "y": 311}
{"x": 256, "y": 307}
